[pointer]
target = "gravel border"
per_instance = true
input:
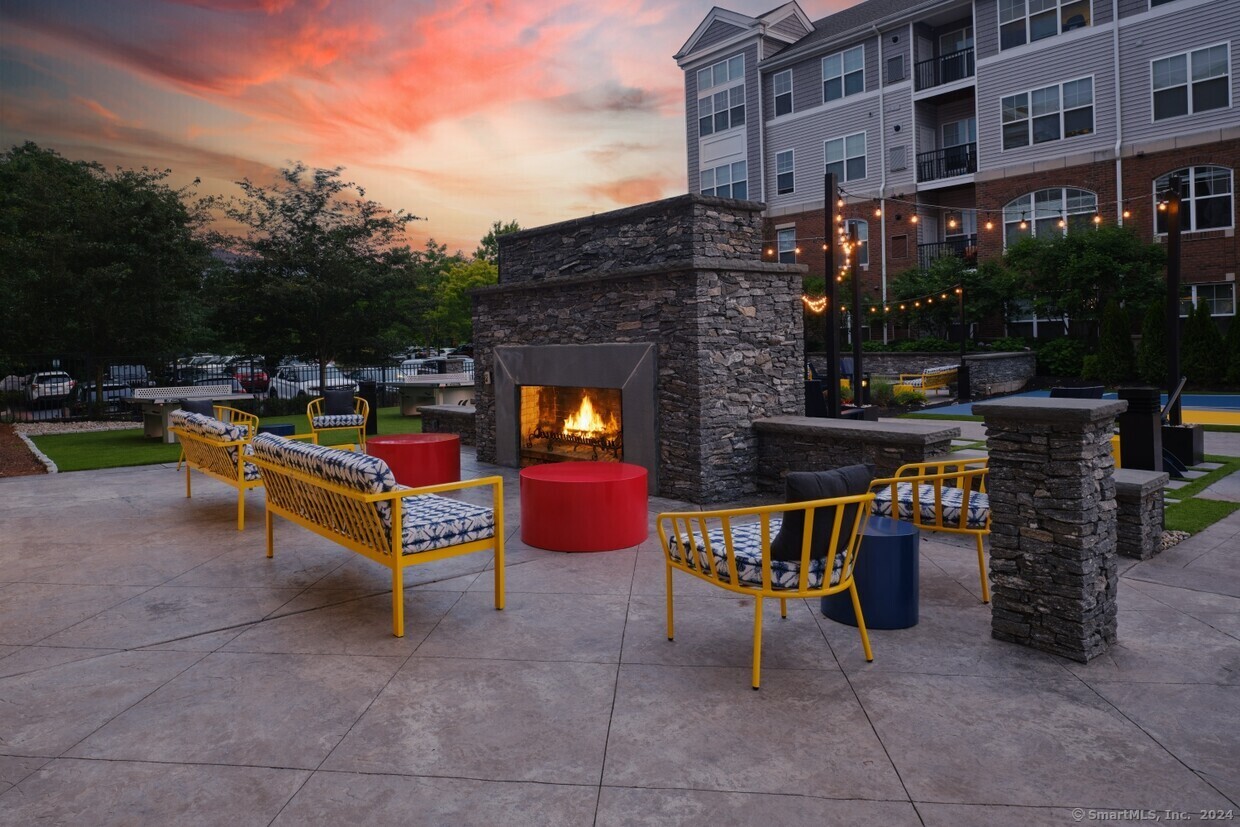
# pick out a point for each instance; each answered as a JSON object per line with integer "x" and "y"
{"x": 46, "y": 428}
{"x": 39, "y": 455}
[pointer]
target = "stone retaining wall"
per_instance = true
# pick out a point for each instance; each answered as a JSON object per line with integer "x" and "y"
{"x": 450, "y": 419}
{"x": 1139, "y": 501}
{"x": 801, "y": 443}
{"x": 989, "y": 373}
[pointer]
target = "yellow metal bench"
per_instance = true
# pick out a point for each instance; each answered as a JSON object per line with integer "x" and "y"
{"x": 216, "y": 446}
{"x": 353, "y": 500}
{"x": 930, "y": 378}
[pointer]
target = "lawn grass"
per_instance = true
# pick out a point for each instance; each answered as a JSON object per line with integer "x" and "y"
{"x": 92, "y": 450}
{"x": 1197, "y": 514}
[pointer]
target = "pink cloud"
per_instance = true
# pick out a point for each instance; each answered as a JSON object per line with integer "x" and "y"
{"x": 635, "y": 190}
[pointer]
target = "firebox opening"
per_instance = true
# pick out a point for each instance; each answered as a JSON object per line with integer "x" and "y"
{"x": 560, "y": 424}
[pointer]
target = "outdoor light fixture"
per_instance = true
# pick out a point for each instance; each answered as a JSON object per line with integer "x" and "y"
{"x": 1097, "y": 219}
{"x": 913, "y": 220}
{"x": 798, "y": 251}
{"x": 840, "y": 203}
{"x": 1127, "y": 214}
{"x": 1062, "y": 223}
{"x": 990, "y": 225}
{"x": 951, "y": 223}
{"x": 1162, "y": 206}
{"x": 1024, "y": 225}
{"x": 878, "y": 213}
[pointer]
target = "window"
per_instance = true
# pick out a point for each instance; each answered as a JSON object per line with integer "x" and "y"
{"x": 895, "y": 69}
{"x": 783, "y": 92}
{"x": 1024, "y": 21}
{"x": 1192, "y": 82}
{"x": 1046, "y": 213}
{"x": 862, "y": 254}
{"x": 1220, "y": 298}
{"x": 784, "y": 183}
{"x": 725, "y": 107}
{"x": 1048, "y": 114}
{"x": 787, "y": 241}
{"x": 846, "y": 157}
{"x": 955, "y": 41}
{"x": 1205, "y": 199}
{"x": 843, "y": 74}
{"x": 726, "y": 181}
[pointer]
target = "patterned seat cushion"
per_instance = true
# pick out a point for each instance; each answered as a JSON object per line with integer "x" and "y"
{"x": 365, "y": 473}
{"x": 206, "y": 426}
{"x": 979, "y": 504}
{"x": 342, "y": 421}
{"x": 747, "y": 543}
{"x": 430, "y": 521}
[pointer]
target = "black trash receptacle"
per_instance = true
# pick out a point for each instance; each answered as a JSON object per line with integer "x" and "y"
{"x": 368, "y": 389}
{"x": 887, "y": 574}
{"x": 1140, "y": 437}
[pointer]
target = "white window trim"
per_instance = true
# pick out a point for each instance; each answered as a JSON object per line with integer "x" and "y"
{"x": 1032, "y": 217}
{"x": 865, "y": 242}
{"x": 1059, "y": 4}
{"x": 779, "y": 249}
{"x": 866, "y": 154}
{"x": 1189, "y": 81}
{"x": 1093, "y": 104}
{"x": 726, "y": 86}
{"x": 1190, "y": 169}
{"x": 731, "y": 181}
{"x": 1192, "y": 297}
{"x": 775, "y": 95}
{"x": 793, "y": 153}
{"x": 844, "y": 95}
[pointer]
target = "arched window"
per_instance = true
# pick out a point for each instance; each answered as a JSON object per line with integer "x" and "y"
{"x": 1047, "y": 213}
{"x": 1205, "y": 199}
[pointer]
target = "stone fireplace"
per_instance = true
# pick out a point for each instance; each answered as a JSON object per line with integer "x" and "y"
{"x": 666, "y": 319}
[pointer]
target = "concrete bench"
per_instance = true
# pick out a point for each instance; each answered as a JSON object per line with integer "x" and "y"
{"x": 354, "y": 501}
{"x": 1139, "y": 506}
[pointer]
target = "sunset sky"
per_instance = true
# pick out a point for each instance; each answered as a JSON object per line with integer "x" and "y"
{"x": 461, "y": 111}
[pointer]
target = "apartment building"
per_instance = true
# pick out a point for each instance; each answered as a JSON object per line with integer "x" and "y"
{"x": 957, "y": 126}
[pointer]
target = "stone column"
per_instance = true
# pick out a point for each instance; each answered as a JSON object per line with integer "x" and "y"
{"x": 1053, "y": 523}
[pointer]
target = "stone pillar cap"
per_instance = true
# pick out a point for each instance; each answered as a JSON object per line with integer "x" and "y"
{"x": 1042, "y": 410}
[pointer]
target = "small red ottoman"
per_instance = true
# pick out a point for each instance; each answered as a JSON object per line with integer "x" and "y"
{"x": 584, "y": 506}
{"x": 419, "y": 459}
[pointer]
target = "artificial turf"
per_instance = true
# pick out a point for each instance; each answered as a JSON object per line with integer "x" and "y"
{"x": 91, "y": 450}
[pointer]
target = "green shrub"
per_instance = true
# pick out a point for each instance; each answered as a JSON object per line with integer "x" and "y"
{"x": 1091, "y": 367}
{"x": 909, "y": 396}
{"x": 1152, "y": 355}
{"x": 1009, "y": 343}
{"x": 1060, "y": 357}
{"x": 882, "y": 392}
{"x": 1202, "y": 353}
{"x": 1117, "y": 363}
{"x": 875, "y": 346}
{"x": 927, "y": 345}
{"x": 1233, "y": 353}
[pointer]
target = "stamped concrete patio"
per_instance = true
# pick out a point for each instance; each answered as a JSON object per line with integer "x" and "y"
{"x": 156, "y": 668}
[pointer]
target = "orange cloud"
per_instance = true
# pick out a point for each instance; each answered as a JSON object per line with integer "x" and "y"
{"x": 636, "y": 190}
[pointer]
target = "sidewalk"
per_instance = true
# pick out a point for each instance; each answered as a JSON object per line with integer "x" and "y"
{"x": 156, "y": 668}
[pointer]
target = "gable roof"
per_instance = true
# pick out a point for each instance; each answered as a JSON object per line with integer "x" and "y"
{"x": 850, "y": 21}
{"x": 717, "y": 18}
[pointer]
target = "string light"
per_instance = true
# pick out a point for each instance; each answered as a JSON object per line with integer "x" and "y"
{"x": 798, "y": 251}
{"x": 1162, "y": 206}
{"x": 1127, "y": 214}
{"x": 815, "y": 305}
{"x": 1097, "y": 219}
{"x": 990, "y": 225}
{"x": 1024, "y": 225}
{"x": 878, "y": 213}
{"x": 951, "y": 223}
{"x": 1062, "y": 223}
{"x": 913, "y": 220}
{"x": 840, "y": 203}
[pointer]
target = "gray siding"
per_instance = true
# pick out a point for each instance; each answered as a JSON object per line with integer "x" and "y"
{"x": 1127, "y": 8}
{"x": 902, "y": 47}
{"x": 1053, "y": 63}
{"x": 717, "y": 32}
{"x": 790, "y": 26}
{"x": 1169, "y": 34}
{"x": 986, "y": 24}
{"x": 752, "y": 119}
{"x": 691, "y": 128}
{"x": 873, "y": 77}
{"x": 807, "y": 77}
{"x": 753, "y": 122}
{"x": 898, "y": 111}
{"x": 806, "y": 136}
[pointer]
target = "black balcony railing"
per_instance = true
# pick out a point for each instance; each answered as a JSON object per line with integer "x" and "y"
{"x": 945, "y": 69}
{"x": 947, "y": 163}
{"x": 961, "y": 246}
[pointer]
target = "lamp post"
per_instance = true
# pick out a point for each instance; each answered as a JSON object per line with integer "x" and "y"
{"x": 1173, "y": 297}
{"x": 857, "y": 373}
{"x": 831, "y": 315}
{"x": 963, "y": 391}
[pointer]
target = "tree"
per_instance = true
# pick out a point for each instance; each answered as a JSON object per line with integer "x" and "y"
{"x": 452, "y": 316}
{"x": 1152, "y": 355}
{"x": 318, "y": 268}
{"x": 1202, "y": 360}
{"x": 988, "y": 292}
{"x": 1077, "y": 274}
{"x": 1116, "y": 361}
{"x": 103, "y": 263}
{"x": 488, "y": 249}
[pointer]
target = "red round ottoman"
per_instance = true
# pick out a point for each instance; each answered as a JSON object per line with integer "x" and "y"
{"x": 584, "y": 506}
{"x": 419, "y": 459}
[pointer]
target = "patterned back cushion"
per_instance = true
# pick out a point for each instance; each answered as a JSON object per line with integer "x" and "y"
{"x": 367, "y": 474}
{"x": 207, "y": 426}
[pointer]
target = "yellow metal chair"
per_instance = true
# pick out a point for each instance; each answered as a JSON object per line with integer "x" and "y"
{"x": 948, "y": 495}
{"x": 731, "y": 549}
{"x": 325, "y": 423}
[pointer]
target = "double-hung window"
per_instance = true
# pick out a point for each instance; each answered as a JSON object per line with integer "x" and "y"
{"x": 843, "y": 74}
{"x": 1191, "y": 82}
{"x": 786, "y": 239}
{"x": 724, "y": 107}
{"x": 846, "y": 157}
{"x": 1024, "y": 21}
{"x": 726, "y": 181}
{"x": 784, "y": 182}
{"x": 1220, "y": 298}
{"x": 1205, "y": 199}
{"x": 783, "y": 92}
{"x": 1048, "y": 114}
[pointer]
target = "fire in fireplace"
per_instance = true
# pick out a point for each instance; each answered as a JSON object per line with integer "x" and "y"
{"x": 567, "y": 423}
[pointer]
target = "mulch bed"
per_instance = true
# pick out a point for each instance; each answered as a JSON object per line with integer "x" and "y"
{"x": 15, "y": 457}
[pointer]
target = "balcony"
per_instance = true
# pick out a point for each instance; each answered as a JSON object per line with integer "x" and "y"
{"x": 961, "y": 246}
{"x": 944, "y": 69}
{"x": 946, "y": 163}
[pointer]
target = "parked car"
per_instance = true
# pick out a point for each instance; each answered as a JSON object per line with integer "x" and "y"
{"x": 378, "y": 375}
{"x": 234, "y": 384}
{"x": 303, "y": 380}
{"x": 113, "y": 396}
{"x": 251, "y": 376}
{"x": 133, "y": 376}
{"x": 49, "y": 386}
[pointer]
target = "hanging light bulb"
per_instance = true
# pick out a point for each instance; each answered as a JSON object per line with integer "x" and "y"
{"x": 886, "y": 308}
{"x": 951, "y": 223}
{"x": 873, "y": 309}
{"x": 1162, "y": 206}
{"x": 901, "y": 307}
{"x": 840, "y": 203}
{"x": 1097, "y": 219}
{"x": 958, "y": 291}
{"x": 943, "y": 296}
{"x": 913, "y": 220}
{"x": 1127, "y": 214}
{"x": 824, "y": 246}
{"x": 916, "y": 304}
{"x": 1024, "y": 225}
{"x": 769, "y": 251}
{"x": 798, "y": 251}
{"x": 878, "y": 213}
{"x": 1062, "y": 223}
{"x": 990, "y": 225}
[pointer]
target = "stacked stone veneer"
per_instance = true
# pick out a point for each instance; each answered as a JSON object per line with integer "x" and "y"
{"x": 989, "y": 373}
{"x": 727, "y": 327}
{"x": 799, "y": 443}
{"x": 1053, "y": 523}
{"x": 671, "y": 230}
{"x": 1140, "y": 511}
{"x": 449, "y": 419}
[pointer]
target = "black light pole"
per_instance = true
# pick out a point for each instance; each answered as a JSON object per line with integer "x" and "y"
{"x": 856, "y": 316}
{"x": 963, "y": 391}
{"x": 1173, "y": 297}
{"x": 831, "y": 313}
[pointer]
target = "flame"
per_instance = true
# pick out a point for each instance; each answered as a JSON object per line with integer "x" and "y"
{"x": 588, "y": 423}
